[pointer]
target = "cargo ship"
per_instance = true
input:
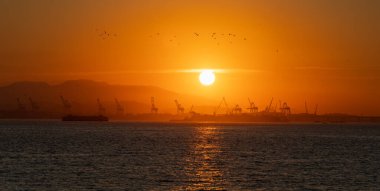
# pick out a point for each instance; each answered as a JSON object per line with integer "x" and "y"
{"x": 85, "y": 118}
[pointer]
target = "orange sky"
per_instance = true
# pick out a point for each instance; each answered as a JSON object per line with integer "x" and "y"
{"x": 322, "y": 51}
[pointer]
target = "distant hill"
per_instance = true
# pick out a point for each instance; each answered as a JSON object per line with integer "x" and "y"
{"x": 83, "y": 95}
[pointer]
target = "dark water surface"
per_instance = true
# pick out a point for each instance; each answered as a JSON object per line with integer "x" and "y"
{"x": 54, "y": 155}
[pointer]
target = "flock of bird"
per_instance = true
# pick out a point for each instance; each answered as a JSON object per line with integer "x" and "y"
{"x": 105, "y": 35}
{"x": 219, "y": 38}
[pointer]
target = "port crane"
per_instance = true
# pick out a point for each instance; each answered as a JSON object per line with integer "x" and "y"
{"x": 21, "y": 106}
{"x": 119, "y": 107}
{"x": 101, "y": 108}
{"x": 34, "y": 104}
{"x": 66, "y": 104}
{"x": 268, "y": 108}
{"x": 153, "y": 108}
{"x": 275, "y": 108}
{"x": 237, "y": 109}
{"x": 220, "y": 105}
{"x": 191, "y": 110}
{"x": 252, "y": 107}
{"x": 180, "y": 108}
{"x": 285, "y": 109}
{"x": 316, "y": 109}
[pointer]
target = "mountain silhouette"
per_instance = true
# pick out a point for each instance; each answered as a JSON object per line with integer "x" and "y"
{"x": 83, "y": 95}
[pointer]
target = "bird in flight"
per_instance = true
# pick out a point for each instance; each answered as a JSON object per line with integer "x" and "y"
{"x": 106, "y": 35}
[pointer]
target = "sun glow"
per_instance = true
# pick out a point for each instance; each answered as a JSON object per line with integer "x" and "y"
{"x": 207, "y": 77}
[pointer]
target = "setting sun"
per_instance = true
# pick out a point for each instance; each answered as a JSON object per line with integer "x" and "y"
{"x": 189, "y": 95}
{"x": 207, "y": 77}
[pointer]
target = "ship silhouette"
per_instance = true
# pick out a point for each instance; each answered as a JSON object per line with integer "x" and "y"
{"x": 85, "y": 118}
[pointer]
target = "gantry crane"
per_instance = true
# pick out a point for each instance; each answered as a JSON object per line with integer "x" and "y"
{"x": 268, "y": 108}
{"x": 34, "y": 104}
{"x": 237, "y": 109}
{"x": 66, "y": 104}
{"x": 220, "y": 105}
{"x": 316, "y": 109}
{"x": 191, "y": 110}
{"x": 119, "y": 107}
{"x": 180, "y": 108}
{"x": 20, "y": 105}
{"x": 252, "y": 107}
{"x": 285, "y": 109}
{"x": 153, "y": 108}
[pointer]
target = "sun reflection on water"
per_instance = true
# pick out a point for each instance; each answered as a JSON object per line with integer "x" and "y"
{"x": 202, "y": 166}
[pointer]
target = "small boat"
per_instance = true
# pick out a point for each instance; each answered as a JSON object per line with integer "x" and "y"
{"x": 84, "y": 118}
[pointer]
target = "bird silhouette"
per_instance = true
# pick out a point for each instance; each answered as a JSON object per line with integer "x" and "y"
{"x": 106, "y": 35}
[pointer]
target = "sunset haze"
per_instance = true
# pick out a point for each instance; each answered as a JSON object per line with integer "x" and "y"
{"x": 319, "y": 51}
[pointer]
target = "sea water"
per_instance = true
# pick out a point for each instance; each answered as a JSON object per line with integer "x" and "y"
{"x": 55, "y": 155}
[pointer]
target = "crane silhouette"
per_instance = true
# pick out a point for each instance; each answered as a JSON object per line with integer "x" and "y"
{"x": 21, "y": 106}
{"x": 180, "y": 108}
{"x": 237, "y": 109}
{"x": 223, "y": 102}
{"x": 119, "y": 107}
{"x": 153, "y": 108}
{"x": 252, "y": 107}
{"x": 34, "y": 104}
{"x": 285, "y": 109}
{"x": 66, "y": 104}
